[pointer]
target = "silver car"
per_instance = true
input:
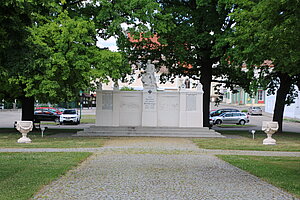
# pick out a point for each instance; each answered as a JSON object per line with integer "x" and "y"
{"x": 230, "y": 118}
{"x": 255, "y": 111}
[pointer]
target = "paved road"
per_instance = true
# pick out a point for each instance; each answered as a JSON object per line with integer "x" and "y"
{"x": 7, "y": 119}
{"x": 256, "y": 120}
{"x": 139, "y": 169}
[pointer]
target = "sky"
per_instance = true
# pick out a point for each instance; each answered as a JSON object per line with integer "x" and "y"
{"x": 110, "y": 43}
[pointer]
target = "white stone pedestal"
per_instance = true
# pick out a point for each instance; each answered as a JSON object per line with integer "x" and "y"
{"x": 24, "y": 139}
{"x": 149, "y": 112}
{"x": 269, "y": 140}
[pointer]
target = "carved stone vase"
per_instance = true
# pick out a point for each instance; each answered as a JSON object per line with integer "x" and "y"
{"x": 269, "y": 128}
{"x": 24, "y": 127}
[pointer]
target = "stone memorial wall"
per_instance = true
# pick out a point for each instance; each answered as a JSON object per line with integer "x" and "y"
{"x": 150, "y": 108}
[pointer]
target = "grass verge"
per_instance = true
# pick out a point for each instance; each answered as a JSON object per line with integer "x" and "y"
{"x": 9, "y": 137}
{"x": 285, "y": 141}
{"x": 234, "y": 126}
{"x": 281, "y": 172}
{"x": 292, "y": 120}
{"x": 88, "y": 119}
{"x": 24, "y": 174}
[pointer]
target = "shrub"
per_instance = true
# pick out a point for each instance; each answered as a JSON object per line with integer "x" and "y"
{"x": 126, "y": 88}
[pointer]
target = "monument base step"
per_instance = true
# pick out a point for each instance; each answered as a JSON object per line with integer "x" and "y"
{"x": 126, "y": 131}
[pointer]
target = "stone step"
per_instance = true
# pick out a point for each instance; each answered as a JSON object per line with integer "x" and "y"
{"x": 138, "y": 129}
{"x": 148, "y": 132}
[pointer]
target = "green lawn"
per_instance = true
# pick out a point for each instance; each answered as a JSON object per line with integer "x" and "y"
{"x": 88, "y": 119}
{"x": 234, "y": 126}
{"x": 24, "y": 174}
{"x": 283, "y": 172}
{"x": 9, "y": 137}
{"x": 285, "y": 142}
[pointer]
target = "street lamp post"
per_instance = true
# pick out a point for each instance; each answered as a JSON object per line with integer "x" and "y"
{"x": 80, "y": 104}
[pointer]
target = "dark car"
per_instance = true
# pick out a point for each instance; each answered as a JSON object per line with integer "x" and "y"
{"x": 223, "y": 110}
{"x": 45, "y": 115}
{"x": 56, "y": 110}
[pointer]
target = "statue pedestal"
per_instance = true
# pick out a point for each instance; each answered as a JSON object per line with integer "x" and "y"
{"x": 24, "y": 139}
{"x": 149, "y": 113}
{"x": 269, "y": 140}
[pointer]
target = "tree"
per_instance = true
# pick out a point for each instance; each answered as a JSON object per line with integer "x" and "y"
{"x": 49, "y": 52}
{"x": 187, "y": 32}
{"x": 269, "y": 30}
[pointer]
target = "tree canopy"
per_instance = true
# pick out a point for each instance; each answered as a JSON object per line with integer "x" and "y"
{"x": 187, "y": 32}
{"x": 48, "y": 49}
{"x": 268, "y": 30}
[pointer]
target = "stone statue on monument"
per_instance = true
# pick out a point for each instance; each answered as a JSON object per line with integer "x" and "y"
{"x": 148, "y": 78}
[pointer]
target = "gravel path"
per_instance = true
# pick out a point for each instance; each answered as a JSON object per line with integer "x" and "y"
{"x": 152, "y": 168}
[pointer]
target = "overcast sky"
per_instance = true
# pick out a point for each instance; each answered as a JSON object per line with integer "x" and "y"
{"x": 110, "y": 43}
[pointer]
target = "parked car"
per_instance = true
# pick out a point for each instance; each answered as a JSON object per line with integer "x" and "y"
{"x": 223, "y": 110}
{"x": 230, "y": 118}
{"x": 254, "y": 111}
{"x": 69, "y": 116}
{"x": 45, "y": 115}
{"x": 57, "y": 111}
{"x": 61, "y": 109}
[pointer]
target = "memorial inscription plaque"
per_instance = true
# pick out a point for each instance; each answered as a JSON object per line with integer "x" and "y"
{"x": 107, "y": 101}
{"x": 191, "y": 102}
{"x": 149, "y": 100}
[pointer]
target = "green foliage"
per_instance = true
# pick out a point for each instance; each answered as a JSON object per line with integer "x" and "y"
{"x": 109, "y": 64}
{"x": 267, "y": 29}
{"x": 56, "y": 42}
{"x": 63, "y": 49}
{"x": 265, "y": 39}
{"x": 127, "y": 89}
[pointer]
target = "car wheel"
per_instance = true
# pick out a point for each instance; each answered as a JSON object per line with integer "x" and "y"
{"x": 242, "y": 122}
{"x": 218, "y": 122}
{"x": 60, "y": 123}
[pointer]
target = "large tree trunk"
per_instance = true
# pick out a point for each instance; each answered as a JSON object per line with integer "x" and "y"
{"x": 283, "y": 90}
{"x": 27, "y": 108}
{"x": 205, "y": 79}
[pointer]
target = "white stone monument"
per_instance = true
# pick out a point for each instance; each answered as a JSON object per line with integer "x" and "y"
{"x": 24, "y": 127}
{"x": 150, "y": 108}
{"x": 149, "y": 112}
{"x": 269, "y": 127}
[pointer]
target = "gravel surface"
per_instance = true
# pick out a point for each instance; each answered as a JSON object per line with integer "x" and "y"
{"x": 157, "y": 169}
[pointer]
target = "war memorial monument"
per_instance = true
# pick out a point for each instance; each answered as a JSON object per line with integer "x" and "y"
{"x": 149, "y": 112}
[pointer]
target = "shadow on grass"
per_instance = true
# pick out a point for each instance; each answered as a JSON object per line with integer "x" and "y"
{"x": 49, "y": 131}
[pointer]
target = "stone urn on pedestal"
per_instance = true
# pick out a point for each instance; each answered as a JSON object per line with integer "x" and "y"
{"x": 24, "y": 127}
{"x": 269, "y": 128}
